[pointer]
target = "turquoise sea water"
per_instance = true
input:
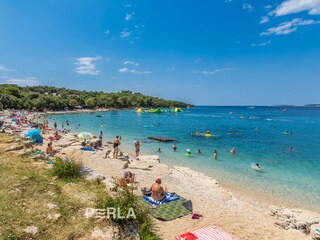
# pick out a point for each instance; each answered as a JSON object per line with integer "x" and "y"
{"x": 291, "y": 178}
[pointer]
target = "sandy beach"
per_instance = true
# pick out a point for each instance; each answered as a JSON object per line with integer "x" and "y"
{"x": 239, "y": 215}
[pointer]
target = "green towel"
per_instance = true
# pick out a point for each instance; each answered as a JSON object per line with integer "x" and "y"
{"x": 167, "y": 211}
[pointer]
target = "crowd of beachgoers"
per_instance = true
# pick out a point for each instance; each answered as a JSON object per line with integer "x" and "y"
{"x": 212, "y": 205}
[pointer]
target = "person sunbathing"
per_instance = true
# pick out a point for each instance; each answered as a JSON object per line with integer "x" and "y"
{"x": 50, "y": 151}
{"x": 157, "y": 190}
{"x": 56, "y": 136}
{"x": 129, "y": 177}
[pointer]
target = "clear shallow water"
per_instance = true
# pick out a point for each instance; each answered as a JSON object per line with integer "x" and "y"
{"x": 291, "y": 178}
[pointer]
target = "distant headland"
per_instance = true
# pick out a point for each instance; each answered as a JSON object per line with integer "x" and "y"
{"x": 42, "y": 98}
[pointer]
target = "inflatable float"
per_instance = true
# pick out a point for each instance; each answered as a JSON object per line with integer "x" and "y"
{"x": 188, "y": 152}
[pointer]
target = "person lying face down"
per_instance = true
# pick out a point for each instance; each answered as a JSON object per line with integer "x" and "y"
{"x": 157, "y": 190}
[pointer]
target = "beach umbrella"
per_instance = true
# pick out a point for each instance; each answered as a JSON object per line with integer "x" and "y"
{"x": 85, "y": 135}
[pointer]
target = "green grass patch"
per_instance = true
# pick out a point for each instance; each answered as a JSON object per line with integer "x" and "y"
{"x": 66, "y": 168}
{"x": 26, "y": 189}
{"x": 124, "y": 200}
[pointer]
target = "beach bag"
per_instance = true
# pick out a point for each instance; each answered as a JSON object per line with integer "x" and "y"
{"x": 146, "y": 192}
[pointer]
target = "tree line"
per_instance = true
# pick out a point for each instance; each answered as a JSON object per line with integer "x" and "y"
{"x": 41, "y": 98}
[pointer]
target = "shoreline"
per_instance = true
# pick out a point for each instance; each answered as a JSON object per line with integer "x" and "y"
{"x": 229, "y": 209}
{"x": 248, "y": 195}
{"x": 242, "y": 193}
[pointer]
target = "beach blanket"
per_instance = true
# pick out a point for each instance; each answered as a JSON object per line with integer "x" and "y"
{"x": 206, "y": 233}
{"x": 167, "y": 211}
{"x": 36, "y": 152}
{"x": 88, "y": 149}
{"x": 169, "y": 197}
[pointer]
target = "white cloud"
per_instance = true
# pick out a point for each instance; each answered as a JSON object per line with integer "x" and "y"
{"x": 129, "y": 16}
{"x": 126, "y": 70}
{"x": 261, "y": 44}
{"x": 125, "y": 33}
{"x": 123, "y": 70}
{"x": 27, "y": 81}
{"x": 131, "y": 63}
{"x": 267, "y": 6}
{"x": 296, "y": 6}
{"x": 289, "y": 27}
{"x": 5, "y": 69}
{"x": 127, "y": 5}
{"x": 214, "y": 71}
{"x": 227, "y": 1}
{"x": 107, "y": 32}
{"x": 248, "y": 7}
{"x": 197, "y": 60}
{"x": 86, "y": 66}
{"x": 264, "y": 19}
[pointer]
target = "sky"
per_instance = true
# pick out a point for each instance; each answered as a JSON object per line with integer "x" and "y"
{"x": 208, "y": 52}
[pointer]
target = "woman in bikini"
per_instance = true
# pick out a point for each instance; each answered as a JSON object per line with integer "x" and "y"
{"x": 116, "y": 144}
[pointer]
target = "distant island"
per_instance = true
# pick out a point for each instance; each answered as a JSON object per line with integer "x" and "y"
{"x": 43, "y": 98}
{"x": 312, "y": 105}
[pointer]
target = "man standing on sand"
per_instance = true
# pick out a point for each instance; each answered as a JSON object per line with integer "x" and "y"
{"x": 116, "y": 144}
{"x": 55, "y": 125}
{"x": 157, "y": 190}
{"x": 137, "y": 147}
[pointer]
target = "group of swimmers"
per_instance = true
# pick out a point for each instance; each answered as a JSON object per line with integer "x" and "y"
{"x": 188, "y": 151}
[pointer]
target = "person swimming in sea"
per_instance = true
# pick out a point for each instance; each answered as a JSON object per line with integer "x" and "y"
{"x": 159, "y": 150}
{"x": 199, "y": 151}
{"x": 290, "y": 149}
{"x": 174, "y": 147}
{"x": 233, "y": 151}
{"x": 257, "y": 167}
{"x": 215, "y": 154}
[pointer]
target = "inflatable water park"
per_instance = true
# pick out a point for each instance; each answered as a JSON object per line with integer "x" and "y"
{"x": 159, "y": 110}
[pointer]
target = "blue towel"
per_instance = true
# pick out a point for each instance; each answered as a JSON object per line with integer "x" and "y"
{"x": 169, "y": 197}
{"x": 88, "y": 149}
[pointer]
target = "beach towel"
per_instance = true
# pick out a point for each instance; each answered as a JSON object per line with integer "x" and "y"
{"x": 88, "y": 149}
{"x": 167, "y": 211}
{"x": 206, "y": 233}
{"x": 169, "y": 197}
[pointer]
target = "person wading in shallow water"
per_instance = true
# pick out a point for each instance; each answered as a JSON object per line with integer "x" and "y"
{"x": 116, "y": 144}
{"x": 137, "y": 147}
{"x": 100, "y": 135}
{"x": 215, "y": 154}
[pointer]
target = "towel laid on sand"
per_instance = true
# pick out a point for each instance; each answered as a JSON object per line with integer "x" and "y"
{"x": 167, "y": 211}
{"x": 88, "y": 149}
{"x": 206, "y": 233}
{"x": 169, "y": 197}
